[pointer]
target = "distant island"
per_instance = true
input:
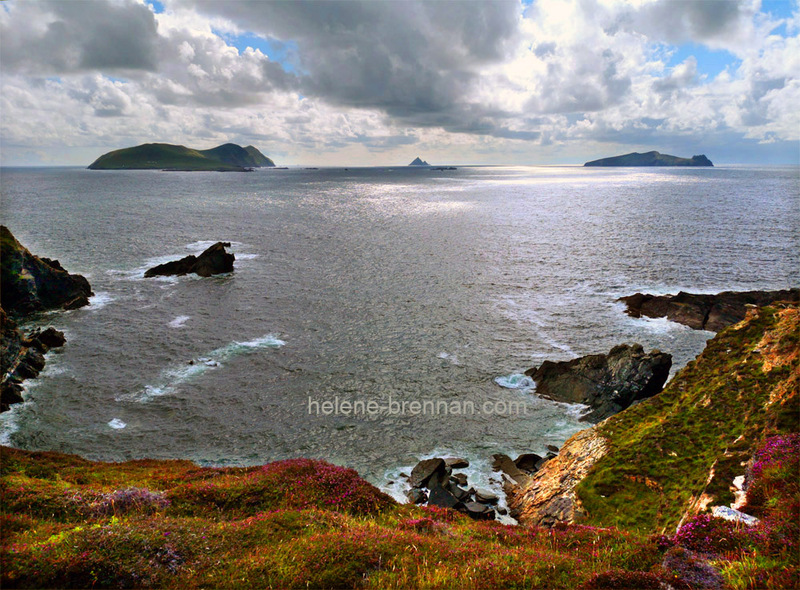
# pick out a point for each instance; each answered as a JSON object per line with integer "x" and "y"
{"x": 165, "y": 156}
{"x": 651, "y": 159}
{"x": 418, "y": 162}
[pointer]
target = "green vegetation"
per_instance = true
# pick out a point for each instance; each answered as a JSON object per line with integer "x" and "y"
{"x": 687, "y": 444}
{"x": 71, "y": 523}
{"x": 158, "y": 156}
{"x": 650, "y": 159}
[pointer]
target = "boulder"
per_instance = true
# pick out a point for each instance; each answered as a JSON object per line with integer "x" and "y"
{"x": 608, "y": 383}
{"x": 214, "y": 260}
{"x": 485, "y": 497}
{"x": 704, "y": 312}
{"x": 459, "y": 479}
{"x": 29, "y": 284}
{"x": 425, "y": 470}
{"x": 416, "y": 496}
{"x": 504, "y": 464}
{"x": 443, "y": 498}
{"x": 527, "y": 462}
{"x": 456, "y": 462}
{"x": 51, "y": 338}
{"x": 459, "y": 493}
{"x": 478, "y": 511}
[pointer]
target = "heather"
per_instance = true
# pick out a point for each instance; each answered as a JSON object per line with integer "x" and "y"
{"x": 71, "y": 523}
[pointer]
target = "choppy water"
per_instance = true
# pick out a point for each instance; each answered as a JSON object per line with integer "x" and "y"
{"x": 391, "y": 285}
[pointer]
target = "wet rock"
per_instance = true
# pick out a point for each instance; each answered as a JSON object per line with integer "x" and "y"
{"x": 608, "y": 383}
{"x": 704, "y": 312}
{"x": 456, "y": 463}
{"x": 552, "y": 448}
{"x": 485, "y": 497}
{"x": 425, "y": 470}
{"x": 459, "y": 479}
{"x": 29, "y": 284}
{"x": 443, "y": 498}
{"x": 504, "y": 464}
{"x": 459, "y": 493}
{"x": 10, "y": 393}
{"x": 214, "y": 260}
{"x": 479, "y": 511}
{"x": 527, "y": 462}
{"x": 416, "y": 496}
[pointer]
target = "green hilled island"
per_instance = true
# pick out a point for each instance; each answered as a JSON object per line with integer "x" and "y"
{"x": 165, "y": 156}
{"x": 651, "y": 159}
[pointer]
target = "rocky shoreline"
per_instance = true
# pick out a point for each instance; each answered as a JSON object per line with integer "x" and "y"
{"x": 30, "y": 284}
{"x": 704, "y": 312}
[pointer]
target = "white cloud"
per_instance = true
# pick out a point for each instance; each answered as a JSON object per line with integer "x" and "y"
{"x": 382, "y": 81}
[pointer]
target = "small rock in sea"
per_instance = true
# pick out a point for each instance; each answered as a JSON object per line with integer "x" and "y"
{"x": 459, "y": 478}
{"x": 552, "y": 448}
{"x": 456, "y": 463}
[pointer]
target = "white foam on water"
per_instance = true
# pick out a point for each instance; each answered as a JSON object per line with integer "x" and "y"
{"x": 179, "y": 321}
{"x": 246, "y": 256}
{"x": 446, "y": 356}
{"x": 201, "y": 245}
{"x": 9, "y": 424}
{"x": 99, "y": 300}
{"x": 192, "y": 369}
{"x": 117, "y": 424}
{"x": 516, "y": 381}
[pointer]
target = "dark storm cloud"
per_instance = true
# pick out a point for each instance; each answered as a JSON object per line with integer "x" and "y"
{"x": 79, "y": 36}
{"x": 415, "y": 61}
{"x": 689, "y": 20}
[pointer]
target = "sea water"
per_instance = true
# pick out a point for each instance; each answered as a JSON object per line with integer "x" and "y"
{"x": 382, "y": 285}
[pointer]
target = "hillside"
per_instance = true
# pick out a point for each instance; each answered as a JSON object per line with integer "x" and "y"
{"x": 70, "y": 522}
{"x": 650, "y": 159}
{"x": 671, "y": 456}
{"x": 161, "y": 156}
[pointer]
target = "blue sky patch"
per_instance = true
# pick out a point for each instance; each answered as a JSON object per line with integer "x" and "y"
{"x": 283, "y": 53}
{"x": 709, "y": 62}
{"x": 158, "y": 7}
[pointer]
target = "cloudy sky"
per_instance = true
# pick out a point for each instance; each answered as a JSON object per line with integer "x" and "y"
{"x": 372, "y": 83}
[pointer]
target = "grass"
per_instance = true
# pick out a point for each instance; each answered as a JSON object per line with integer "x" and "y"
{"x": 66, "y": 522}
{"x": 693, "y": 438}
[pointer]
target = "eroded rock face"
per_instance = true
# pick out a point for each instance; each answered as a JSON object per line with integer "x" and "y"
{"x": 214, "y": 260}
{"x": 704, "y": 312}
{"x": 21, "y": 358}
{"x": 549, "y": 495}
{"x": 31, "y": 284}
{"x": 608, "y": 383}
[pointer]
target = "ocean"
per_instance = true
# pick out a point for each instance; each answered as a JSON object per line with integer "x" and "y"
{"x": 374, "y": 290}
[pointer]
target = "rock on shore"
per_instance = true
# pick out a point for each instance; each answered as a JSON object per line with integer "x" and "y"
{"x": 214, "y": 260}
{"x": 608, "y": 383}
{"x": 31, "y": 283}
{"x": 21, "y": 358}
{"x": 704, "y": 312}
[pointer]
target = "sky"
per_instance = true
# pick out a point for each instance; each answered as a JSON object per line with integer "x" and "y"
{"x": 381, "y": 82}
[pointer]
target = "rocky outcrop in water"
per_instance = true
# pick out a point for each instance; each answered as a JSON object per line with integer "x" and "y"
{"x": 21, "y": 358}
{"x": 608, "y": 383}
{"x": 29, "y": 283}
{"x": 214, "y": 260}
{"x": 704, "y": 312}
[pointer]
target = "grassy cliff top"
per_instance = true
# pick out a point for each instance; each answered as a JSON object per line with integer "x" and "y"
{"x": 679, "y": 451}
{"x": 228, "y": 156}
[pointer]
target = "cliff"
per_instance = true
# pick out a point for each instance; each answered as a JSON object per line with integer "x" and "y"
{"x": 669, "y": 457}
{"x": 650, "y": 159}
{"x": 159, "y": 156}
{"x": 29, "y": 283}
